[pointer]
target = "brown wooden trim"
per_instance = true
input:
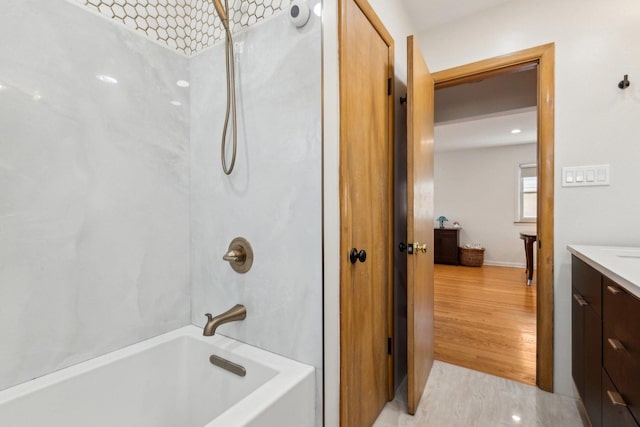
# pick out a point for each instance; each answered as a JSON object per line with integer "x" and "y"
{"x": 443, "y": 78}
{"x": 544, "y": 57}
{"x": 545, "y": 304}
{"x": 375, "y": 21}
{"x": 515, "y": 68}
{"x": 412, "y": 399}
{"x": 390, "y": 317}
{"x": 344, "y": 184}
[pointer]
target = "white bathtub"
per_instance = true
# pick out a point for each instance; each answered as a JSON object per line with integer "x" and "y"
{"x": 168, "y": 381}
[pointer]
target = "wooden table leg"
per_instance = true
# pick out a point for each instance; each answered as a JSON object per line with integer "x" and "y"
{"x": 528, "y": 249}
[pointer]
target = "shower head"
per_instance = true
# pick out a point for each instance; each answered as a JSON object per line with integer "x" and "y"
{"x": 221, "y": 12}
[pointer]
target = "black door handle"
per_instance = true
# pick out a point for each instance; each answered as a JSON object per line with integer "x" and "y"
{"x": 402, "y": 246}
{"x": 354, "y": 255}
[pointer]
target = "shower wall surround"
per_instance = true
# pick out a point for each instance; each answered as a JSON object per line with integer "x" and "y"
{"x": 187, "y": 26}
{"x": 272, "y": 198}
{"x": 94, "y": 205}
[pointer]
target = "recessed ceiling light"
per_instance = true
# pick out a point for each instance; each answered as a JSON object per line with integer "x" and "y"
{"x": 37, "y": 96}
{"x": 516, "y": 418}
{"x": 317, "y": 9}
{"x": 182, "y": 83}
{"x": 176, "y": 103}
{"x": 516, "y": 131}
{"x": 106, "y": 79}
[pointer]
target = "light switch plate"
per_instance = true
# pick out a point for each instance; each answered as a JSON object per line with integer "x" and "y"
{"x": 585, "y": 176}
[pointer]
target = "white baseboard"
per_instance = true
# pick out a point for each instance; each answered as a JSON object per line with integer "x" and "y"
{"x": 504, "y": 264}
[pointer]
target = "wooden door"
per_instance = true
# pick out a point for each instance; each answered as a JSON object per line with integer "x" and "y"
{"x": 420, "y": 100}
{"x": 366, "y": 197}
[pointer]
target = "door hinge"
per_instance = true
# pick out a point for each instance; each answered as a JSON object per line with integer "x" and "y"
{"x": 389, "y": 346}
{"x": 389, "y": 86}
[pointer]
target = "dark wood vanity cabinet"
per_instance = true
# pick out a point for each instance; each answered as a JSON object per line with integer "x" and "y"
{"x": 605, "y": 343}
{"x": 614, "y": 415}
{"x": 445, "y": 245}
{"x": 621, "y": 343}
{"x": 586, "y": 337}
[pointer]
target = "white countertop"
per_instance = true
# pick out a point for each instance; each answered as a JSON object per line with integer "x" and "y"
{"x": 620, "y": 264}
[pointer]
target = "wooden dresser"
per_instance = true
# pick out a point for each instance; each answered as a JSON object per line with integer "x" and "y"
{"x": 445, "y": 245}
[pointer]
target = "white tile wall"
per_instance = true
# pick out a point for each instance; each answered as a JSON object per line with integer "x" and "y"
{"x": 95, "y": 217}
{"x": 273, "y": 197}
{"x": 94, "y": 206}
{"x": 188, "y": 26}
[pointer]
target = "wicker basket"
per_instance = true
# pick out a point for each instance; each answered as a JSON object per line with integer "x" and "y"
{"x": 471, "y": 257}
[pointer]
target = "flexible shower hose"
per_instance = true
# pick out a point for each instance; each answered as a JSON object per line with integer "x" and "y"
{"x": 231, "y": 100}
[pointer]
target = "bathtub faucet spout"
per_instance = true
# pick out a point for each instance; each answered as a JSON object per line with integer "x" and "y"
{"x": 237, "y": 312}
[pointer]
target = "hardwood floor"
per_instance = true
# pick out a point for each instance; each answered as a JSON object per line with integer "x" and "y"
{"x": 485, "y": 320}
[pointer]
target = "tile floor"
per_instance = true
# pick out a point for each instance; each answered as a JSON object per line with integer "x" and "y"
{"x": 457, "y": 397}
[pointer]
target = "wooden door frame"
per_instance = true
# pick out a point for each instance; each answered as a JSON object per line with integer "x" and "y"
{"x": 344, "y": 78}
{"x": 544, "y": 58}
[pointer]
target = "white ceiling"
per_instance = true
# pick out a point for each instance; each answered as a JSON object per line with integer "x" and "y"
{"x": 476, "y": 131}
{"x": 491, "y": 130}
{"x": 426, "y": 14}
{"x": 483, "y": 113}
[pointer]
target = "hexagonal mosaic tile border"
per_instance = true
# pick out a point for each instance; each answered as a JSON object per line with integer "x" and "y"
{"x": 184, "y": 25}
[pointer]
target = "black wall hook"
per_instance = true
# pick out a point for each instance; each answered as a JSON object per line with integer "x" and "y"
{"x": 624, "y": 83}
{"x": 403, "y": 99}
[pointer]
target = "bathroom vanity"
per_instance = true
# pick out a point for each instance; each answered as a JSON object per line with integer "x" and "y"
{"x": 605, "y": 339}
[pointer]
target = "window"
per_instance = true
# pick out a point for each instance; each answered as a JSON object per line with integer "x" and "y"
{"x": 527, "y": 193}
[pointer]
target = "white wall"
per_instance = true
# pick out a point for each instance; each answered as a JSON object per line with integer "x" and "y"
{"x": 94, "y": 229}
{"x": 512, "y": 91}
{"x": 596, "y": 122}
{"x": 397, "y": 23}
{"x": 479, "y": 189}
{"x": 273, "y": 198}
{"x": 331, "y": 211}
